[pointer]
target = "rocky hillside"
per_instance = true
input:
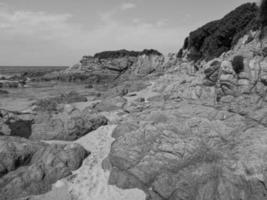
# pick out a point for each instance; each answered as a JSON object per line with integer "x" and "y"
{"x": 216, "y": 37}
{"x": 204, "y": 136}
{"x": 193, "y": 133}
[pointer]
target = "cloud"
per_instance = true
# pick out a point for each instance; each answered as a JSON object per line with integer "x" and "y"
{"x": 127, "y": 6}
{"x": 42, "y": 37}
{"x": 27, "y": 23}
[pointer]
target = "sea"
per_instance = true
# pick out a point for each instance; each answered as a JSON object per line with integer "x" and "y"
{"x": 13, "y": 70}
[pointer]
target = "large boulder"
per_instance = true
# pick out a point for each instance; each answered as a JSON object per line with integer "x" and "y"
{"x": 28, "y": 167}
{"x": 69, "y": 125}
{"x": 190, "y": 152}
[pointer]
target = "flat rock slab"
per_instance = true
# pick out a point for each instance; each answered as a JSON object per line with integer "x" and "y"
{"x": 191, "y": 152}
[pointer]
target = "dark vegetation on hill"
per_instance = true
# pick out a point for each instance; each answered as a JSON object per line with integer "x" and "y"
{"x": 123, "y": 53}
{"x": 216, "y": 37}
{"x": 263, "y": 13}
{"x": 263, "y": 18}
{"x": 238, "y": 64}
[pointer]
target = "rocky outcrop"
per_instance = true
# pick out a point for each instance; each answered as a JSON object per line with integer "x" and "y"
{"x": 220, "y": 36}
{"x": 198, "y": 133}
{"x": 28, "y": 167}
{"x": 178, "y": 156}
{"x": 68, "y": 125}
{"x": 204, "y": 136}
{"x": 15, "y": 124}
{"x": 191, "y": 147}
{"x": 239, "y": 72}
{"x": 111, "y": 66}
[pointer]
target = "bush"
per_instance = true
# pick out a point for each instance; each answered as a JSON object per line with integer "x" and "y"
{"x": 219, "y": 36}
{"x": 263, "y": 13}
{"x": 123, "y": 53}
{"x": 238, "y": 64}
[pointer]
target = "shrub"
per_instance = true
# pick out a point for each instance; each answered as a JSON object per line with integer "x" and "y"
{"x": 180, "y": 53}
{"x": 263, "y": 13}
{"x": 123, "y": 53}
{"x": 219, "y": 36}
{"x": 238, "y": 64}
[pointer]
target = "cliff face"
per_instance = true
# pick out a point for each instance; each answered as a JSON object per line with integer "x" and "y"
{"x": 217, "y": 37}
{"x": 110, "y": 66}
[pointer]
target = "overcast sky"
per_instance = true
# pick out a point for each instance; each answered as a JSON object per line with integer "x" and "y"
{"x": 60, "y": 32}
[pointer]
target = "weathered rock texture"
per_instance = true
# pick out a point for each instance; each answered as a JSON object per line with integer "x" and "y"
{"x": 204, "y": 137}
{"x": 28, "y": 167}
{"x": 191, "y": 148}
{"x": 107, "y": 67}
{"x": 53, "y": 103}
{"x": 69, "y": 124}
{"x": 15, "y": 124}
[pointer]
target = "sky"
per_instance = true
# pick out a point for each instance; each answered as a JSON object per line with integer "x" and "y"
{"x": 60, "y": 32}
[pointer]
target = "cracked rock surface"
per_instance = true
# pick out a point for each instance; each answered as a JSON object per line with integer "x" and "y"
{"x": 28, "y": 167}
{"x": 203, "y": 138}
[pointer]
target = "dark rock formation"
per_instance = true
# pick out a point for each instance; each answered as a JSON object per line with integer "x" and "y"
{"x": 219, "y": 36}
{"x": 28, "y": 167}
{"x": 15, "y": 124}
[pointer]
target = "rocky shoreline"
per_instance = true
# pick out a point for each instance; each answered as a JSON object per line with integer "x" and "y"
{"x": 149, "y": 127}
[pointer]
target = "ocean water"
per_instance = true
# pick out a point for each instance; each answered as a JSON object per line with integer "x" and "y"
{"x": 12, "y": 70}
